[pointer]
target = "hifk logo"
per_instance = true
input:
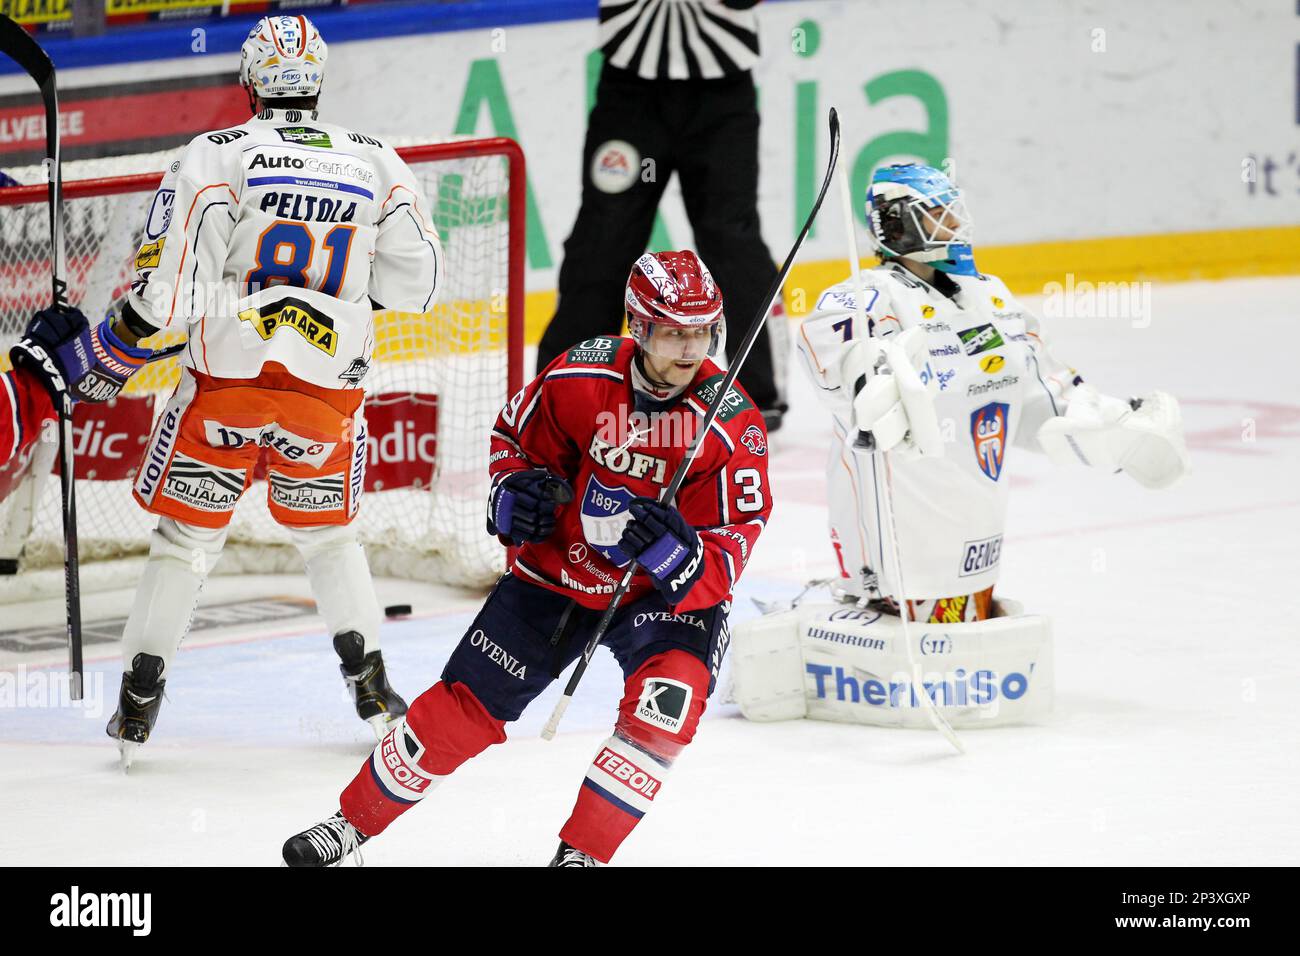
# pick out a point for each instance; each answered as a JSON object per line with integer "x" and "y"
{"x": 604, "y": 516}
{"x": 988, "y": 428}
{"x": 754, "y": 440}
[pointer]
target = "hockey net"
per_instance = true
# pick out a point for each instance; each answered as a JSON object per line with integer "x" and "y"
{"x": 436, "y": 384}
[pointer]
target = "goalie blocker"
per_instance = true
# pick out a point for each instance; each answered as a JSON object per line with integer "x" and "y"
{"x": 850, "y": 664}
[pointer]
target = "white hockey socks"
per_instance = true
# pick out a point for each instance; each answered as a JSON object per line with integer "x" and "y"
{"x": 180, "y": 558}
{"x": 340, "y": 580}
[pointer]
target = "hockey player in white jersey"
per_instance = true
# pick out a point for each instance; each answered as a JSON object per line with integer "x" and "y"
{"x": 933, "y": 320}
{"x": 270, "y": 244}
{"x": 936, "y": 380}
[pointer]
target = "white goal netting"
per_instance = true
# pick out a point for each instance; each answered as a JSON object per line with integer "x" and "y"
{"x": 436, "y": 383}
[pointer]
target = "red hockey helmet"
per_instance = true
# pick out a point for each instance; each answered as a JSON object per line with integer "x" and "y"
{"x": 672, "y": 302}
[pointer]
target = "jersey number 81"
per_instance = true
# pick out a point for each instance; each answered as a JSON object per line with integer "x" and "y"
{"x": 285, "y": 251}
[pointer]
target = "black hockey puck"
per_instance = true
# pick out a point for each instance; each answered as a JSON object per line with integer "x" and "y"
{"x": 397, "y": 610}
{"x": 8, "y": 565}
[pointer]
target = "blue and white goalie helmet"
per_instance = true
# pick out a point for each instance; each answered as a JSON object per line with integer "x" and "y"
{"x": 283, "y": 57}
{"x": 916, "y": 212}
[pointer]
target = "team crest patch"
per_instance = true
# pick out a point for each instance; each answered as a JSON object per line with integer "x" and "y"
{"x": 604, "y": 516}
{"x": 988, "y": 428}
{"x": 664, "y": 703}
{"x": 755, "y": 440}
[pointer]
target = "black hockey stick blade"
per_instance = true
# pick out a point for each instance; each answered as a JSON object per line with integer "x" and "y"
{"x": 670, "y": 491}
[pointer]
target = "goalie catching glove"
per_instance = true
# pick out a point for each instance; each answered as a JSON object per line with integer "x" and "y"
{"x": 893, "y": 394}
{"x": 659, "y": 539}
{"x": 523, "y": 505}
{"x": 68, "y": 356}
{"x": 1143, "y": 436}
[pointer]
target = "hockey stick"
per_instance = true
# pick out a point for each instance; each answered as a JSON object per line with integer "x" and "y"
{"x": 931, "y": 709}
{"x": 679, "y": 476}
{"x": 19, "y": 46}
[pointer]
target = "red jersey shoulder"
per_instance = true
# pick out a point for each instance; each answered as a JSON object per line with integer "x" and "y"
{"x": 738, "y": 416}
{"x": 606, "y": 353}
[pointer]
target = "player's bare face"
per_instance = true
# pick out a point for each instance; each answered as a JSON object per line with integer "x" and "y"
{"x": 673, "y": 355}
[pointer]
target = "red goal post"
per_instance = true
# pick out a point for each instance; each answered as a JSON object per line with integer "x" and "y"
{"x": 437, "y": 382}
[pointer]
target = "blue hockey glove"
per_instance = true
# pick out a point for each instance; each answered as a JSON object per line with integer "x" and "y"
{"x": 523, "y": 505}
{"x": 67, "y": 355}
{"x": 669, "y": 550}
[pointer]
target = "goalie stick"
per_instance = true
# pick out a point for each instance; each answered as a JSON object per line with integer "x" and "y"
{"x": 939, "y": 722}
{"x": 668, "y": 493}
{"x": 18, "y": 45}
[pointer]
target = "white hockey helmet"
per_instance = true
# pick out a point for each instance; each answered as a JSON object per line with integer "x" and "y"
{"x": 283, "y": 57}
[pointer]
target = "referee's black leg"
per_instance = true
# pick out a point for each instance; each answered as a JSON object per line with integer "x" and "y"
{"x": 612, "y": 227}
{"x": 719, "y": 181}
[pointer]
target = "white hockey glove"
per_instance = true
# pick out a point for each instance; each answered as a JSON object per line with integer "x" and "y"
{"x": 894, "y": 391}
{"x": 1143, "y": 437}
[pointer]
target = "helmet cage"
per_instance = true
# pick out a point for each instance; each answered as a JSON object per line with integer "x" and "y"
{"x": 921, "y": 227}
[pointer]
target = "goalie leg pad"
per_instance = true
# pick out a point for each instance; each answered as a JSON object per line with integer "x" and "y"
{"x": 829, "y": 662}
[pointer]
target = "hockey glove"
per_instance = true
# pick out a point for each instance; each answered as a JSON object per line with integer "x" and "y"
{"x": 67, "y": 355}
{"x": 1143, "y": 436}
{"x": 523, "y": 505}
{"x": 659, "y": 539}
{"x": 893, "y": 390}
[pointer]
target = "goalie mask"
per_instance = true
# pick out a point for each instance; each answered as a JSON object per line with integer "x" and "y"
{"x": 283, "y": 57}
{"x": 917, "y": 213}
{"x": 674, "y": 308}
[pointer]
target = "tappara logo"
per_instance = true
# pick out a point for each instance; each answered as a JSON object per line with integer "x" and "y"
{"x": 754, "y": 440}
{"x": 988, "y": 428}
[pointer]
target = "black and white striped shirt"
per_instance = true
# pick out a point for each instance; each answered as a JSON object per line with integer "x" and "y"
{"x": 679, "y": 39}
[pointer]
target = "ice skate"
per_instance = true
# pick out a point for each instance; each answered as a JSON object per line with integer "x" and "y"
{"x": 570, "y": 856}
{"x": 376, "y": 702}
{"x": 138, "y": 704}
{"x": 325, "y": 844}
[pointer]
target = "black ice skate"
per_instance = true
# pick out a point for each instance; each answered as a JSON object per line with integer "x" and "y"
{"x": 138, "y": 704}
{"x": 325, "y": 844}
{"x": 376, "y": 702}
{"x": 570, "y": 856}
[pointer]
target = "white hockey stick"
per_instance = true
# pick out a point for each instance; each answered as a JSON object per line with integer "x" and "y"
{"x": 937, "y": 719}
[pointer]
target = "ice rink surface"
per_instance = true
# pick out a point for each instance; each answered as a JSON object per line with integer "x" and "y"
{"x": 1175, "y": 739}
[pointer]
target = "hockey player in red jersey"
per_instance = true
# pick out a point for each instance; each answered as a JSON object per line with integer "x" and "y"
{"x": 58, "y": 353}
{"x": 578, "y": 460}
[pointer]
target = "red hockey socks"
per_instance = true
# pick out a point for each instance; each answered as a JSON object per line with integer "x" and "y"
{"x": 661, "y": 706}
{"x": 444, "y": 727}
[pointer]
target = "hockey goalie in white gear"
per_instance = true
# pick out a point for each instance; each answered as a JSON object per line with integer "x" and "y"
{"x": 270, "y": 244}
{"x": 931, "y": 379}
